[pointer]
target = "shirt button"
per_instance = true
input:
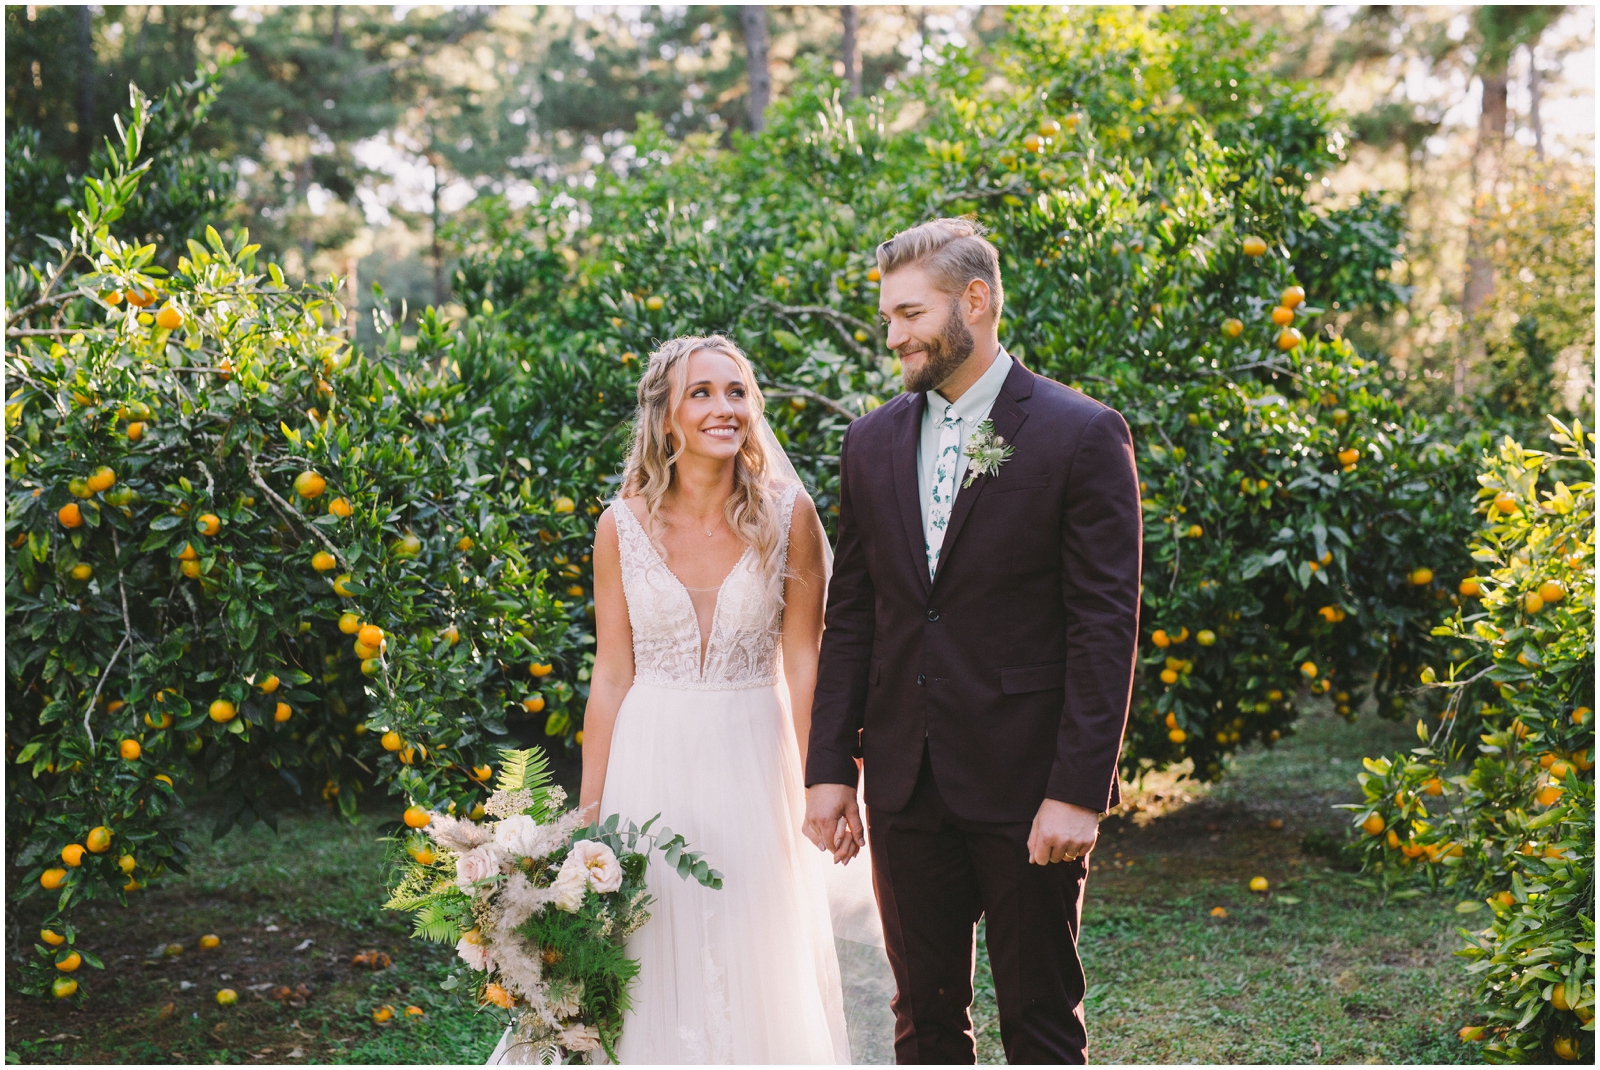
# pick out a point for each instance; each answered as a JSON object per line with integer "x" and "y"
{"x": 921, "y": 680}
{"x": 933, "y": 614}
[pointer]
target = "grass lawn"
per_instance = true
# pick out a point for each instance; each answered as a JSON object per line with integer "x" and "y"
{"x": 1330, "y": 978}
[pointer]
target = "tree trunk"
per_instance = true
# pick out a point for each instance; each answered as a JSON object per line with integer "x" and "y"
{"x": 86, "y": 77}
{"x": 756, "y": 45}
{"x": 852, "y": 57}
{"x": 338, "y": 31}
{"x": 1479, "y": 287}
{"x": 1535, "y": 90}
{"x": 435, "y": 248}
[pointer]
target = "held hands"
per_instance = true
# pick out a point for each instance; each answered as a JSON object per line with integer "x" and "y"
{"x": 833, "y": 821}
{"x": 1061, "y": 832}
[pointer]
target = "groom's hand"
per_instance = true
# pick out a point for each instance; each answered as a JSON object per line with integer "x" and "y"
{"x": 833, "y": 821}
{"x": 1061, "y": 831}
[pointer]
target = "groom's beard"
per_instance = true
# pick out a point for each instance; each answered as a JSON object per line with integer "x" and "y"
{"x": 944, "y": 355}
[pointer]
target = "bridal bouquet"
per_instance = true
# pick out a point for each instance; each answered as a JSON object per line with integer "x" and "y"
{"x": 539, "y": 904}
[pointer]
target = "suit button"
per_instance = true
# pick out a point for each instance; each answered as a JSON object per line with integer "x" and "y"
{"x": 933, "y": 614}
{"x": 921, "y": 679}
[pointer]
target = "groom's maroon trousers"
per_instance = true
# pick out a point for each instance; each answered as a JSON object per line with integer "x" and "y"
{"x": 975, "y": 696}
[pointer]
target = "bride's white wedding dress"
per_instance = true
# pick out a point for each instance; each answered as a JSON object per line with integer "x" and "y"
{"x": 747, "y": 973}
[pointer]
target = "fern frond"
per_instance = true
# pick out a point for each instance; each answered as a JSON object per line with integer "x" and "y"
{"x": 527, "y": 770}
{"x": 435, "y": 924}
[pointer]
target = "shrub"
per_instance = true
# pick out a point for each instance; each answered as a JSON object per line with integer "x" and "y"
{"x": 207, "y": 490}
{"x": 1499, "y": 799}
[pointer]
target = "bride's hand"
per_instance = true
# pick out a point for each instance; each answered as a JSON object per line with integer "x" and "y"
{"x": 833, "y": 822}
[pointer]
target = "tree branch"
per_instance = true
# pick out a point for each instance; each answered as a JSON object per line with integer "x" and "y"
{"x": 783, "y": 390}
{"x": 127, "y": 638}
{"x": 285, "y": 509}
{"x": 833, "y": 314}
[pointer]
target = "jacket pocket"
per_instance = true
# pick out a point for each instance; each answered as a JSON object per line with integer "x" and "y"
{"x": 1000, "y": 485}
{"x": 1021, "y": 679}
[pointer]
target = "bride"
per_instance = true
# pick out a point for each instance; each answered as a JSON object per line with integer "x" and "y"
{"x": 710, "y": 573}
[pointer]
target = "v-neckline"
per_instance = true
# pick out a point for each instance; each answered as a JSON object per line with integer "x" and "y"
{"x": 716, "y": 605}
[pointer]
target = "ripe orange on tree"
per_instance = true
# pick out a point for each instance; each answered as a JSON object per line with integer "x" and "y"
{"x": 1373, "y": 824}
{"x": 1160, "y": 639}
{"x": 72, "y": 854}
{"x": 370, "y": 635}
{"x": 533, "y": 703}
{"x": 209, "y": 523}
{"x": 169, "y": 319}
{"x": 349, "y": 623}
{"x": 51, "y": 937}
{"x": 139, "y": 297}
{"x": 70, "y": 515}
{"x": 323, "y": 561}
{"x": 1232, "y": 328}
{"x": 98, "y": 841}
{"x": 1469, "y": 587}
{"x": 82, "y": 571}
{"x": 222, "y": 711}
{"x": 481, "y": 773}
{"x": 1505, "y": 502}
{"x": 270, "y": 684}
{"x": 1551, "y": 592}
{"x": 62, "y": 987}
{"x": 1282, "y": 316}
{"x": 339, "y": 587}
{"x": 340, "y": 508}
{"x": 1532, "y": 603}
{"x": 135, "y": 431}
{"x": 1254, "y": 246}
{"x": 309, "y": 484}
{"x": 416, "y": 817}
{"x": 282, "y": 713}
{"x": 129, "y": 749}
{"x": 188, "y": 553}
{"x": 1177, "y": 735}
{"x": 1290, "y": 337}
{"x": 540, "y": 669}
{"x": 190, "y": 569}
{"x": 1293, "y": 297}
{"x": 101, "y": 479}
{"x": 1349, "y": 456}
{"x": 1421, "y": 577}
{"x": 391, "y": 741}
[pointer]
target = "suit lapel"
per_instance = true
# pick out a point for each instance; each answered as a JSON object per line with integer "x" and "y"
{"x": 1008, "y": 416}
{"x": 907, "y": 434}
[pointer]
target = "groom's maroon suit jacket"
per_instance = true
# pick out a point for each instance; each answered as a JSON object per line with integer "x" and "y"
{"x": 1014, "y": 665}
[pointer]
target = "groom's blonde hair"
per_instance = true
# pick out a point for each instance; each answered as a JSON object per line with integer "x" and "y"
{"x": 954, "y": 252}
{"x": 752, "y": 509}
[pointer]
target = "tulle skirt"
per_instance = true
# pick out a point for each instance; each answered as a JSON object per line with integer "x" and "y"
{"x": 747, "y": 973}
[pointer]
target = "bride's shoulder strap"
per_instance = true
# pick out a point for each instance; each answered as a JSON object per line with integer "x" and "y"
{"x": 630, "y": 532}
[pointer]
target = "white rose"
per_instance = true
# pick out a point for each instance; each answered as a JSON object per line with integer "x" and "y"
{"x": 478, "y": 864}
{"x": 473, "y": 951}
{"x": 580, "y": 1038}
{"x": 519, "y": 835}
{"x": 571, "y": 884}
{"x": 605, "y": 872}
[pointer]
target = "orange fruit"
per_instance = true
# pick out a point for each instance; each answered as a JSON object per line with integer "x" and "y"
{"x": 391, "y": 741}
{"x": 1258, "y": 884}
{"x": 1177, "y": 735}
{"x": 188, "y": 553}
{"x": 1254, "y": 246}
{"x": 1549, "y": 795}
{"x": 1565, "y": 1048}
{"x": 101, "y": 479}
{"x": 1581, "y": 715}
{"x": 349, "y": 623}
{"x": 1433, "y": 786}
{"x": 51, "y": 937}
{"x": 416, "y": 817}
{"x": 383, "y": 1014}
{"x": 190, "y": 569}
{"x": 493, "y": 993}
{"x": 464, "y": 543}
{"x": 1532, "y": 603}
{"x": 165, "y": 720}
{"x": 538, "y": 669}
{"x": 72, "y": 854}
{"x": 481, "y": 773}
{"x": 1205, "y": 637}
{"x": 339, "y": 587}
{"x": 451, "y": 634}
{"x": 1505, "y": 502}
{"x": 1169, "y": 676}
{"x": 1551, "y": 591}
{"x": 340, "y": 508}
{"x": 1309, "y": 669}
{"x": 129, "y": 749}
{"x": 165, "y": 779}
{"x": 139, "y": 297}
{"x": 370, "y": 635}
{"x": 222, "y": 711}
{"x": 1160, "y": 639}
{"x": 1421, "y": 577}
{"x": 533, "y": 703}
{"x": 414, "y": 1011}
{"x": 169, "y": 319}
{"x": 51, "y": 879}
{"x": 70, "y": 515}
{"x": 873, "y": 275}
{"x": 1033, "y": 143}
{"x": 1232, "y": 328}
{"x": 98, "y": 841}
{"x": 270, "y": 684}
{"x": 1373, "y": 824}
{"x": 282, "y": 713}
{"x": 135, "y": 431}
{"x": 209, "y": 942}
{"x": 1469, "y": 587}
{"x": 1049, "y": 128}
{"x": 127, "y": 864}
{"x": 654, "y": 303}
{"x": 309, "y": 484}
{"x": 1349, "y": 457}
{"x": 1282, "y": 316}
{"x": 1289, "y": 337}
{"x": 423, "y": 854}
{"x": 227, "y": 997}
{"x": 1393, "y": 840}
{"x": 82, "y": 571}
{"x": 63, "y": 987}
{"x": 322, "y": 561}
{"x": 1471, "y": 1032}
{"x": 564, "y": 505}
{"x": 209, "y": 523}
{"x": 1293, "y": 297}
{"x": 371, "y": 666}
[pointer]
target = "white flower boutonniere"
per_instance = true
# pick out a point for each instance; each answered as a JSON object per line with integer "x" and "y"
{"x": 986, "y": 452}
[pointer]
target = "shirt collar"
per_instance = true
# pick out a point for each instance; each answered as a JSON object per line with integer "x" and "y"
{"x": 980, "y": 396}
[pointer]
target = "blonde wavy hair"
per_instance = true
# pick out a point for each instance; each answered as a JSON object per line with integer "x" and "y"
{"x": 752, "y": 509}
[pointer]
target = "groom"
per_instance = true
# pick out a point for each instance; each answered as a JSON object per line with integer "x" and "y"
{"x": 981, "y": 628}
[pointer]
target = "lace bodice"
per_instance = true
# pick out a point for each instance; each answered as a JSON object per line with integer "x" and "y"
{"x": 746, "y": 625}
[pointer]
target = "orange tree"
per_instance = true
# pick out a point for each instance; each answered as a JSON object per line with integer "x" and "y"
{"x": 1499, "y": 799}
{"x": 241, "y": 558}
{"x": 1159, "y": 253}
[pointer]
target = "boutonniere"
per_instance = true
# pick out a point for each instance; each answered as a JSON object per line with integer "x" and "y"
{"x": 986, "y": 452}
